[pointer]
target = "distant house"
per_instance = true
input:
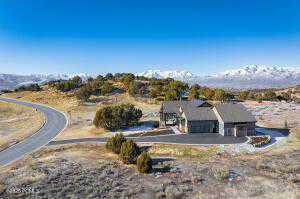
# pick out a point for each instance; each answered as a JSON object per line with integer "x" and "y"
{"x": 197, "y": 116}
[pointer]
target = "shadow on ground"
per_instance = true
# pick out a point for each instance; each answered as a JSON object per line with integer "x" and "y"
{"x": 274, "y": 132}
{"x": 159, "y": 166}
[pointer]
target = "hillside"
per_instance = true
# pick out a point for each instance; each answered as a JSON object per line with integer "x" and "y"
{"x": 294, "y": 91}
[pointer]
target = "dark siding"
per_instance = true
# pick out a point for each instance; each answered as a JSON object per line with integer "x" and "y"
{"x": 168, "y": 119}
{"x": 239, "y": 129}
{"x": 202, "y": 126}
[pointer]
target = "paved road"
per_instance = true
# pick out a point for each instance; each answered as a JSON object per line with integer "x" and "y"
{"x": 55, "y": 123}
{"x": 186, "y": 139}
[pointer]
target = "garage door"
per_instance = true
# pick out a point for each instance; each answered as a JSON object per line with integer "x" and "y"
{"x": 202, "y": 127}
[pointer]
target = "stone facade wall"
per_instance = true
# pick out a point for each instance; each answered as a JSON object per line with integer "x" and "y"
{"x": 221, "y": 124}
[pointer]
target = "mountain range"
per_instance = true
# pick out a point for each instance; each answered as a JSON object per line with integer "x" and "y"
{"x": 248, "y": 77}
{"x": 11, "y": 81}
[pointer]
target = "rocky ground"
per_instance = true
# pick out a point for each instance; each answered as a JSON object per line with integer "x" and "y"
{"x": 89, "y": 171}
{"x": 275, "y": 114}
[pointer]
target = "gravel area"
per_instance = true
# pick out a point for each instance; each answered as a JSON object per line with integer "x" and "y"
{"x": 59, "y": 173}
{"x": 134, "y": 130}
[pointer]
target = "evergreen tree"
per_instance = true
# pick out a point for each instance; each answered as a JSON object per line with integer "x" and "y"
{"x": 83, "y": 93}
{"x": 77, "y": 81}
{"x": 129, "y": 152}
{"x": 171, "y": 95}
{"x": 144, "y": 163}
{"x": 155, "y": 91}
{"x": 208, "y": 93}
{"x": 174, "y": 90}
{"x": 109, "y": 76}
{"x": 116, "y": 117}
{"x": 269, "y": 95}
{"x": 115, "y": 142}
{"x": 106, "y": 88}
{"x": 219, "y": 94}
{"x": 194, "y": 92}
{"x": 244, "y": 95}
{"x": 128, "y": 78}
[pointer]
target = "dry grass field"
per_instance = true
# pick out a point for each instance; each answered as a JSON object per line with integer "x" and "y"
{"x": 88, "y": 170}
{"x": 81, "y": 115}
{"x": 17, "y": 123}
{"x": 274, "y": 116}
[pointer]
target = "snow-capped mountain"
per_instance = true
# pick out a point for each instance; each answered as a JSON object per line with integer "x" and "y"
{"x": 165, "y": 74}
{"x": 10, "y": 81}
{"x": 247, "y": 77}
{"x": 254, "y": 71}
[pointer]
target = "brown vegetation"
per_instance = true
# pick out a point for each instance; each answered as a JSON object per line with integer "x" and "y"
{"x": 17, "y": 123}
{"x": 80, "y": 115}
{"x": 259, "y": 141}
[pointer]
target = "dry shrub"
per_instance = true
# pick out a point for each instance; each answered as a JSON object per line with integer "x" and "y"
{"x": 8, "y": 109}
{"x": 261, "y": 165}
{"x": 221, "y": 173}
{"x": 258, "y": 141}
{"x": 294, "y": 178}
{"x": 2, "y": 189}
{"x": 288, "y": 167}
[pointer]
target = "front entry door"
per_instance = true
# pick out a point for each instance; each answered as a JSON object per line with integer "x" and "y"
{"x": 230, "y": 132}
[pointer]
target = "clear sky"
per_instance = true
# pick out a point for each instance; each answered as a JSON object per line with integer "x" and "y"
{"x": 99, "y": 36}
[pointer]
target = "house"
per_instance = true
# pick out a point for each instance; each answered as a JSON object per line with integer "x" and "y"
{"x": 197, "y": 116}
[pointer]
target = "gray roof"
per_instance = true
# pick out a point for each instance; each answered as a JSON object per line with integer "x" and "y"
{"x": 234, "y": 113}
{"x": 173, "y": 106}
{"x": 199, "y": 113}
{"x": 193, "y": 111}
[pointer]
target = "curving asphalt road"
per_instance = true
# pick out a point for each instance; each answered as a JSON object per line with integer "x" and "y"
{"x": 55, "y": 123}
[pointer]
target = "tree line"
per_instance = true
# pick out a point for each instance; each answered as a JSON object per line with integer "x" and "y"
{"x": 32, "y": 87}
{"x": 197, "y": 92}
{"x": 160, "y": 89}
{"x": 264, "y": 95}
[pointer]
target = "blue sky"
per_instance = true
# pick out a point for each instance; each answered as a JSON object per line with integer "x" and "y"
{"x": 97, "y": 36}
